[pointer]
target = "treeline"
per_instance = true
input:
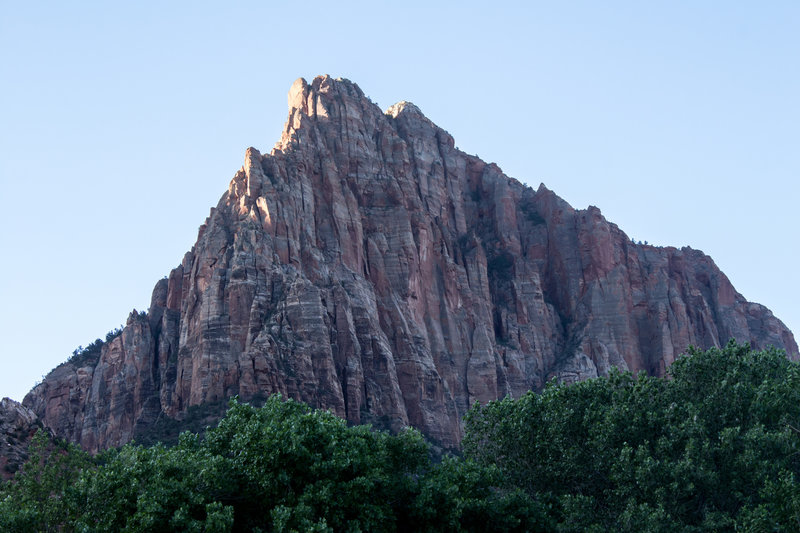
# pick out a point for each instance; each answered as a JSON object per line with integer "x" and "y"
{"x": 713, "y": 447}
{"x": 91, "y": 353}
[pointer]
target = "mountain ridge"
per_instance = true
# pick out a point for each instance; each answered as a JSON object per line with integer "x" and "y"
{"x": 367, "y": 266}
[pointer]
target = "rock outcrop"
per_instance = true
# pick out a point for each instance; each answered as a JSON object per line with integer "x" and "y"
{"x": 367, "y": 266}
{"x": 18, "y": 424}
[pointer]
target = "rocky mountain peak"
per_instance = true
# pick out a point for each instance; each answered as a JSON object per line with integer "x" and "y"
{"x": 401, "y": 107}
{"x": 367, "y": 266}
{"x": 324, "y": 99}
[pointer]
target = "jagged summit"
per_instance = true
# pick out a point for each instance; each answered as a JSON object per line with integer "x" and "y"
{"x": 339, "y": 101}
{"x": 325, "y": 98}
{"x": 403, "y": 106}
{"x": 367, "y": 266}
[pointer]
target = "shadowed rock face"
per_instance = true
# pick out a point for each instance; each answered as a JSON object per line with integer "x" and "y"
{"x": 369, "y": 267}
{"x": 18, "y": 424}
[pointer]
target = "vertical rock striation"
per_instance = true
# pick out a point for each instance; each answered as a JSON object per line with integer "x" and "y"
{"x": 369, "y": 267}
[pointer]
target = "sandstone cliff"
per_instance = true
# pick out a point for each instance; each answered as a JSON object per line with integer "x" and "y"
{"x": 369, "y": 267}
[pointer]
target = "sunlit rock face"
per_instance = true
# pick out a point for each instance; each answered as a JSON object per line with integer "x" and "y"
{"x": 367, "y": 266}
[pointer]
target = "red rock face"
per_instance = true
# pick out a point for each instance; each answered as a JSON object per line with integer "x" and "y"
{"x": 369, "y": 267}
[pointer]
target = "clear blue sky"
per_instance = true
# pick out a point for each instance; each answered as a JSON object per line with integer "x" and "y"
{"x": 120, "y": 125}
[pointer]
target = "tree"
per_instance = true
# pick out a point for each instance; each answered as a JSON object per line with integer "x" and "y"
{"x": 282, "y": 467}
{"x": 710, "y": 447}
{"x": 715, "y": 446}
{"x": 38, "y": 497}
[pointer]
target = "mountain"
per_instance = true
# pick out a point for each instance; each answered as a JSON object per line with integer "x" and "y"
{"x": 367, "y": 266}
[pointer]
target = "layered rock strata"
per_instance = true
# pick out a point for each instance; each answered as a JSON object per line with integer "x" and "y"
{"x": 367, "y": 266}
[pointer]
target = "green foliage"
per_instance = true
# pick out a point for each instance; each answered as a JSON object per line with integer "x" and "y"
{"x": 38, "y": 498}
{"x": 713, "y": 447}
{"x": 113, "y": 334}
{"x": 87, "y": 356}
{"x": 282, "y": 467}
{"x": 91, "y": 353}
{"x": 151, "y": 489}
{"x": 307, "y": 465}
{"x": 461, "y": 495}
